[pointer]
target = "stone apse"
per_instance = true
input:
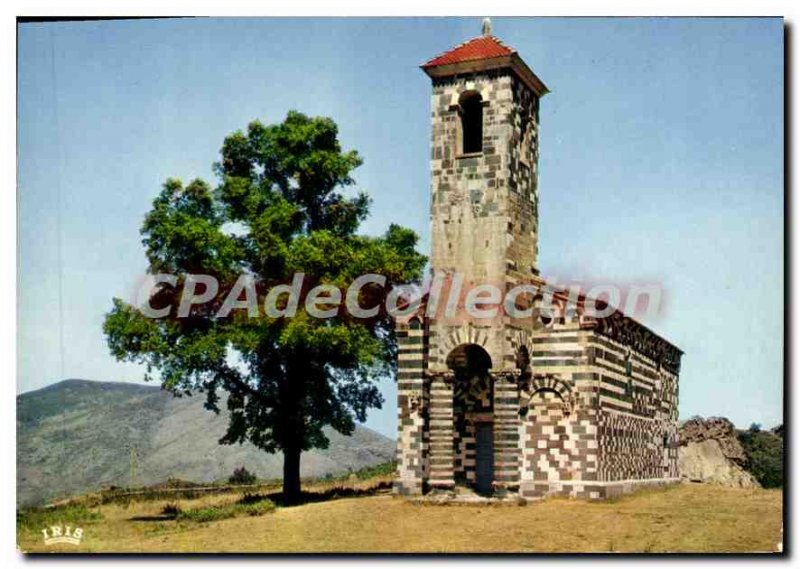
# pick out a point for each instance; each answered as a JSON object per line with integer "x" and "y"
{"x": 557, "y": 401}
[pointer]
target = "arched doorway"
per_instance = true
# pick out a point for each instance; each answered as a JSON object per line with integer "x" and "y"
{"x": 473, "y": 411}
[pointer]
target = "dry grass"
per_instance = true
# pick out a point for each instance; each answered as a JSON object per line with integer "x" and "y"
{"x": 691, "y": 518}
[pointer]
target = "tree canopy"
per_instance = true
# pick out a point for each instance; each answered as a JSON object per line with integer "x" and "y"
{"x": 280, "y": 208}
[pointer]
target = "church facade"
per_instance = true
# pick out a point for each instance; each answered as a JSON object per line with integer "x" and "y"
{"x": 559, "y": 400}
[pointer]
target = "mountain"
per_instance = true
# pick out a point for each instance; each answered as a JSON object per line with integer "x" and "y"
{"x": 77, "y": 435}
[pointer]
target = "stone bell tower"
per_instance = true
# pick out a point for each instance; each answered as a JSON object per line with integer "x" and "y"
{"x": 484, "y": 231}
{"x": 484, "y": 160}
{"x": 484, "y": 172}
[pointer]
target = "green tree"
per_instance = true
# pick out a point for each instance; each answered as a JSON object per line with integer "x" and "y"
{"x": 242, "y": 476}
{"x": 764, "y": 451}
{"x": 278, "y": 210}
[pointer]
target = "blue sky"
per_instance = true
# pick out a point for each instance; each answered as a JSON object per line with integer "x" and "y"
{"x": 661, "y": 161}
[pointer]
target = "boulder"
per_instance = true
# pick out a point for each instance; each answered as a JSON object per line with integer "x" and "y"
{"x": 710, "y": 453}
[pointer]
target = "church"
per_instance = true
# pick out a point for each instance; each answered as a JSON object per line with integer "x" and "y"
{"x": 562, "y": 401}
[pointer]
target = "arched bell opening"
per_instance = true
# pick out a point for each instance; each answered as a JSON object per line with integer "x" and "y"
{"x": 470, "y": 105}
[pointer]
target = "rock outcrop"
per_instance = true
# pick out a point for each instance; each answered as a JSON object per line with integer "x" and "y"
{"x": 711, "y": 453}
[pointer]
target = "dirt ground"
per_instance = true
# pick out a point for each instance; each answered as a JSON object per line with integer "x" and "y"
{"x": 685, "y": 518}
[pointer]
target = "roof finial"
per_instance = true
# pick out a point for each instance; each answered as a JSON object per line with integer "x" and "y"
{"x": 486, "y": 26}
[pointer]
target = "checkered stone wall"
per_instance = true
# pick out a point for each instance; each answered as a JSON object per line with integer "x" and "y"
{"x": 637, "y": 411}
{"x": 592, "y": 417}
{"x": 412, "y": 408}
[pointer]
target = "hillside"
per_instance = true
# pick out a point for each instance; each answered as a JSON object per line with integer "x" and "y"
{"x": 78, "y": 435}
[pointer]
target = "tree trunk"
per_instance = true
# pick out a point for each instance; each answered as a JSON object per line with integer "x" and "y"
{"x": 291, "y": 475}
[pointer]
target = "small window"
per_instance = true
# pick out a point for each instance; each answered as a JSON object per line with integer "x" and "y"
{"x": 523, "y": 358}
{"x": 471, "y": 122}
{"x": 526, "y": 148}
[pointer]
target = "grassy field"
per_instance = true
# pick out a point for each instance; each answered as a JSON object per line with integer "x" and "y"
{"x": 686, "y": 518}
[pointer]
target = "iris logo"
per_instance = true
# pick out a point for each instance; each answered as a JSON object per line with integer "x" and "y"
{"x": 62, "y": 534}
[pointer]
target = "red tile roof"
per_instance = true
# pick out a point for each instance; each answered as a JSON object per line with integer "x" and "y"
{"x": 482, "y": 47}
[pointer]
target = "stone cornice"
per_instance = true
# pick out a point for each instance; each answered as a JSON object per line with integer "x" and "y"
{"x": 629, "y": 332}
{"x": 512, "y": 62}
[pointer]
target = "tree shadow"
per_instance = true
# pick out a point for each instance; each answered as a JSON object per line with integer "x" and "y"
{"x": 153, "y": 518}
{"x": 306, "y": 497}
{"x": 335, "y": 493}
